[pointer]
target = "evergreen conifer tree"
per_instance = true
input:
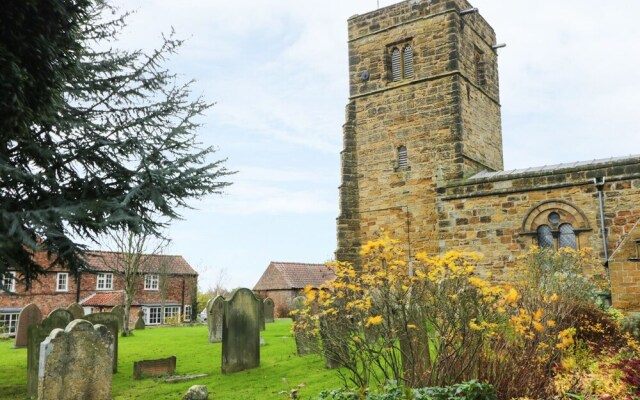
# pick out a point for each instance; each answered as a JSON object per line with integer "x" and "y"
{"x": 93, "y": 138}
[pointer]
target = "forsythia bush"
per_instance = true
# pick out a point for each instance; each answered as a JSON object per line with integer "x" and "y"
{"x": 437, "y": 322}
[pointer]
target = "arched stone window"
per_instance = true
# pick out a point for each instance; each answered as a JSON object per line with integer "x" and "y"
{"x": 407, "y": 62}
{"x": 555, "y": 224}
{"x": 396, "y": 65}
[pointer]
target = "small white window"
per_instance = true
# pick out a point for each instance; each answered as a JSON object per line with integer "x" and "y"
{"x": 62, "y": 282}
{"x": 187, "y": 313}
{"x": 8, "y": 322}
{"x": 8, "y": 281}
{"x": 105, "y": 282}
{"x": 151, "y": 282}
{"x": 403, "y": 161}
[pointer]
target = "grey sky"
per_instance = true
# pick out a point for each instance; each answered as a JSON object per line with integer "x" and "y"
{"x": 278, "y": 72}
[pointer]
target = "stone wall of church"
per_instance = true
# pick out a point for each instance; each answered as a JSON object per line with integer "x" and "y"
{"x": 487, "y": 215}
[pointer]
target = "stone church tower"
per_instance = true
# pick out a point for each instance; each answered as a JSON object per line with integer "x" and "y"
{"x": 424, "y": 107}
{"x": 422, "y": 157}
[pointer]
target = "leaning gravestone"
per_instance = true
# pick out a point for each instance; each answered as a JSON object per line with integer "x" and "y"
{"x": 57, "y": 319}
{"x": 241, "y": 332}
{"x": 268, "y": 307}
{"x": 140, "y": 321}
{"x": 306, "y": 342}
{"x": 75, "y": 363}
{"x": 215, "y": 313}
{"x": 110, "y": 320}
{"x": 76, "y": 310}
{"x": 29, "y": 315}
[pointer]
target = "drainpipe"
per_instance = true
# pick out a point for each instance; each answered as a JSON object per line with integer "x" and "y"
{"x": 599, "y": 182}
{"x": 78, "y": 279}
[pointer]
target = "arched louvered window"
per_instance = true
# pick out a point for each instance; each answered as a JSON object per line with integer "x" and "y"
{"x": 403, "y": 161}
{"x": 407, "y": 61}
{"x": 567, "y": 237}
{"x": 396, "y": 65}
{"x": 545, "y": 237}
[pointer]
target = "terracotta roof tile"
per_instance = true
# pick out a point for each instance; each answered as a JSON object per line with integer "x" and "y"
{"x": 112, "y": 261}
{"x": 287, "y": 275}
{"x": 110, "y": 299}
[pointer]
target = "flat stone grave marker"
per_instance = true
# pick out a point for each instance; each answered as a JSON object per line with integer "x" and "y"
{"x": 110, "y": 320}
{"x": 269, "y": 308}
{"x": 215, "y": 313}
{"x": 57, "y": 319}
{"x": 76, "y": 310}
{"x": 159, "y": 367}
{"x": 75, "y": 363}
{"x": 241, "y": 332}
{"x": 29, "y": 315}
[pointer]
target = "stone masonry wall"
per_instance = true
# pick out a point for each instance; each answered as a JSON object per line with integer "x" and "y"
{"x": 425, "y": 113}
{"x": 487, "y": 215}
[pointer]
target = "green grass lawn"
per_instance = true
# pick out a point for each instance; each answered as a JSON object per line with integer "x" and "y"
{"x": 279, "y": 364}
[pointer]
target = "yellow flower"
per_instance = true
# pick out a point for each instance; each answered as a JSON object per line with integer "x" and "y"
{"x": 538, "y": 326}
{"x": 551, "y": 323}
{"x": 511, "y": 296}
{"x": 377, "y": 320}
{"x": 554, "y": 297}
{"x": 412, "y": 326}
{"x": 473, "y": 325}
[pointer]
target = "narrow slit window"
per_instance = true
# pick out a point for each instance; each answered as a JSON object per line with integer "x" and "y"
{"x": 396, "y": 65}
{"x": 403, "y": 161}
{"x": 407, "y": 58}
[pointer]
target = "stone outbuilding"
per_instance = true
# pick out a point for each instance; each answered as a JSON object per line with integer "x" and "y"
{"x": 282, "y": 281}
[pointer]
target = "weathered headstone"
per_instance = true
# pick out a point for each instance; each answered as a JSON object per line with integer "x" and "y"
{"x": 110, "y": 320}
{"x": 306, "y": 342}
{"x": 241, "y": 332}
{"x": 260, "y": 306}
{"x": 119, "y": 311}
{"x": 76, "y": 310}
{"x": 269, "y": 308}
{"x": 29, "y": 315}
{"x": 75, "y": 363}
{"x": 159, "y": 367}
{"x": 57, "y": 319}
{"x": 140, "y": 321}
{"x": 331, "y": 350}
{"x": 215, "y": 313}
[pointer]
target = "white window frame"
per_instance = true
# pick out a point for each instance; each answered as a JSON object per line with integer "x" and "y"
{"x": 151, "y": 282}
{"x": 62, "y": 277}
{"x": 9, "y": 282}
{"x": 12, "y": 319}
{"x": 187, "y": 313}
{"x": 171, "y": 312}
{"x": 104, "y": 281}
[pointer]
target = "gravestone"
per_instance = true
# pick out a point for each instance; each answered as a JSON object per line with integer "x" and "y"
{"x": 76, "y": 310}
{"x": 119, "y": 311}
{"x": 29, "y": 315}
{"x": 260, "y": 306}
{"x": 36, "y": 333}
{"x": 140, "y": 321}
{"x": 215, "y": 313}
{"x": 331, "y": 350}
{"x": 306, "y": 342}
{"x": 269, "y": 308}
{"x": 241, "y": 332}
{"x": 158, "y": 367}
{"x": 110, "y": 320}
{"x": 75, "y": 363}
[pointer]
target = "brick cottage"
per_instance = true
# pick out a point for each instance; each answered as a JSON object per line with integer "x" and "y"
{"x": 100, "y": 288}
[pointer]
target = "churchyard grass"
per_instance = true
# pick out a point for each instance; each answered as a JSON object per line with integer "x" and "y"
{"x": 280, "y": 368}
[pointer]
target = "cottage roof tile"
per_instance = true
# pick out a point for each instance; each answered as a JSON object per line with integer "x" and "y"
{"x": 289, "y": 275}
